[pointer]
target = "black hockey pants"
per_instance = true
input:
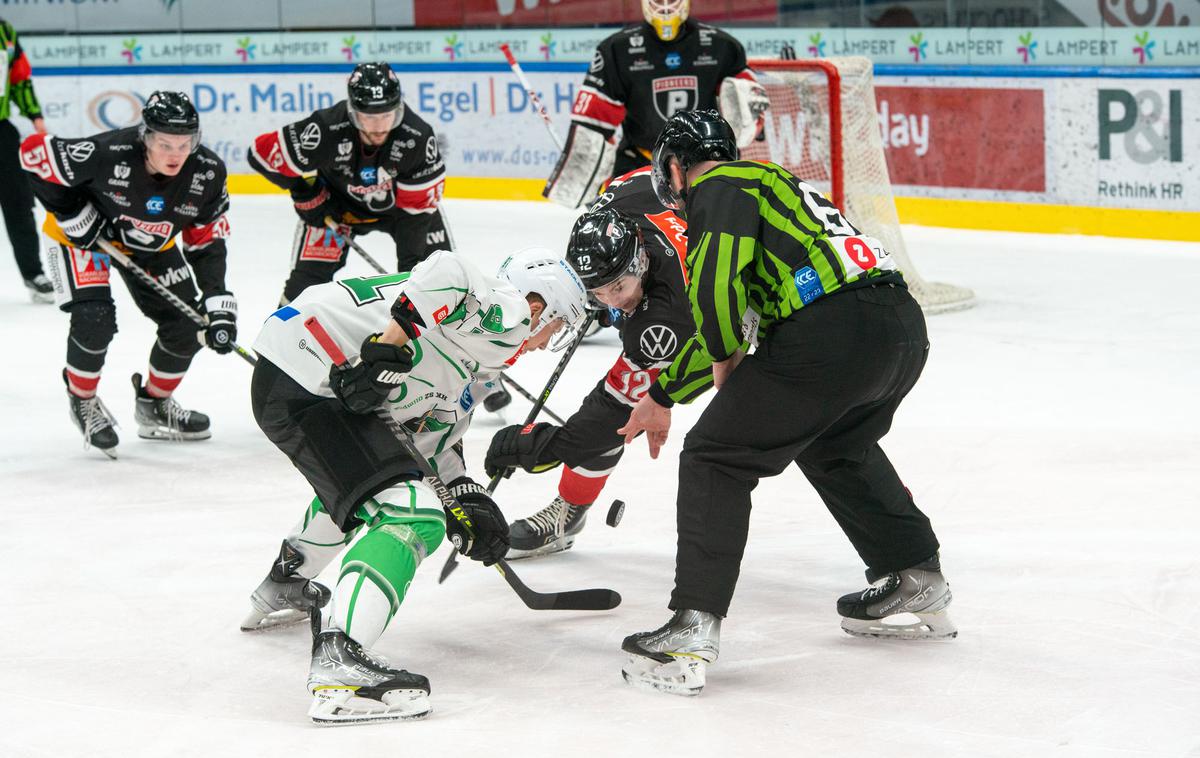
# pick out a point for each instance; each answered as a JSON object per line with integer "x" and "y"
{"x": 16, "y": 201}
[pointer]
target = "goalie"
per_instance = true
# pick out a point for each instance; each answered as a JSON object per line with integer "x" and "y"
{"x": 640, "y": 77}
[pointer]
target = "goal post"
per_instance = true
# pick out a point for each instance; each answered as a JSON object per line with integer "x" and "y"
{"x": 822, "y": 126}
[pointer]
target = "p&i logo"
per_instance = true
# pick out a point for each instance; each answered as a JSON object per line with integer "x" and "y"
{"x": 548, "y": 45}
{"x": 1028, "y": 48}
{"x": 918, "y": 46}
{"x": 817, "y": 46}
{"x": 350, "y": 48}
{"x": 1144, "y": 49}
{"x": 1150, "y": 129}
{"x": 245, "y": 49}
{"x": 132, "y": 51}
{"x": 453, "y": 47}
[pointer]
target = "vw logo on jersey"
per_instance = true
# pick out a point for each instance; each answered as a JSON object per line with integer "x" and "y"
{"x": 155, "y": 205}
{"x": 658, "y": 342}
{"x": 673, "y": 60}
{"x": 367, "y": 173}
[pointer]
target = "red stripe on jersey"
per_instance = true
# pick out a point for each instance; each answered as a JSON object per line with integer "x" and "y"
{"x": 269, "y": 151}
{"x": 421, "y": 200}
{"x": 675, "y": 230}
{"x": 37, "y": 157}
{"x": 201, "y": 235}
{"x": 746, "y": 74}
{"x": 628, "y": 382}
{"x": 19, "y": 71}
{"x": 577, "y": 489}
{"x": 591, "y": 105}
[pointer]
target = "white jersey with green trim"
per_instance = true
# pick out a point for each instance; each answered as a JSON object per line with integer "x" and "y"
{"x": 475, "y": 327}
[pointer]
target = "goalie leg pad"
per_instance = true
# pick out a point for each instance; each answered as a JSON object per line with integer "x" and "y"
{"x": 743, "y": 104}
{"x": 585, "y": 164}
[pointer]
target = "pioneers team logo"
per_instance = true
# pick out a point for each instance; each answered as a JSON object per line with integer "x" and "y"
{"x": 673, "y": 94}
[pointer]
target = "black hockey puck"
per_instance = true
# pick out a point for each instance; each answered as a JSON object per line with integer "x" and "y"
{"x": 615, "y": 512}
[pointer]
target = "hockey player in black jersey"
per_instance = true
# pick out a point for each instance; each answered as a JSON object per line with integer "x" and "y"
{"x": 638, "y": 78}
{"x": 369, "y": 163}
{"x": 140, "y": 188}
{"x": 628, "y": 250}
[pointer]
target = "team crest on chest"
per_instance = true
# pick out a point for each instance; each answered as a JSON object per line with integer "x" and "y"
{"x": 673, "y": 94}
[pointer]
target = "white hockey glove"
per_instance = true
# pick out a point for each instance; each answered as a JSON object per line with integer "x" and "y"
{"x": 585, "y": 164}
{"x": 744, "y": 105}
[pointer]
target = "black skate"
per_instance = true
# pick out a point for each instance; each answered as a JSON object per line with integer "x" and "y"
{"x": 162, "y": 418}
{"x": 40, "y": 289}
{"x": 907, "y": 605}
{"x": 285, "y": 598}
{"x": 94, "y": 421}
{"x": 673, "y": 658}
{"x": 550, "y": 530}
{"x": 351, "y": 685}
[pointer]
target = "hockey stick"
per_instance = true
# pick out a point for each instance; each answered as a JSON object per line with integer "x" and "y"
{"x": 533, "y": 98}
{"x": 201, "y": 320}
{"x": 452, "y": 561}
{"x": 573, "y": 600}
{"x": 333, "y": 227}
{"x": 525, "y": 394}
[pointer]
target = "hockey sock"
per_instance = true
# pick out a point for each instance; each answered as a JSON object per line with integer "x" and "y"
{"x": 318, "y": 539}
{"x": 93, "y": 324}
{"x": 166, "y": 370}
{"x": 404, "y": 524}
{"x": 579, "y": 486}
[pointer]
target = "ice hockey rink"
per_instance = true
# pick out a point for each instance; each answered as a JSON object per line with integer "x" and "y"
{"x": 1054, "y": 440}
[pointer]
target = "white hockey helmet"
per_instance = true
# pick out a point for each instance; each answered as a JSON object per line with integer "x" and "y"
{"x": 538, "y": 270}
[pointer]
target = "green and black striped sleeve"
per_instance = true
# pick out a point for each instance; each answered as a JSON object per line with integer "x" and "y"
{"x": 20, "y": 81}
{"x": 688, "y": 377}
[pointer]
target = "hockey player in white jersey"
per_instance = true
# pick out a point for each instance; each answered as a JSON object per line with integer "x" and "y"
{"x": 339, "y": 367}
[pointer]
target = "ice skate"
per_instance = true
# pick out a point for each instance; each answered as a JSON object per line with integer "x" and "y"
{"x": 351, "y": 685}
{"x": 40, "y": 289}
{"x": 673, "y": 658}
{"x": 551, "y": 530}
{"x": 907, "y": 605}
{"x": 162, "y": 418}
{"x": 285, "y": 598}
{"x": 94, "y": 421}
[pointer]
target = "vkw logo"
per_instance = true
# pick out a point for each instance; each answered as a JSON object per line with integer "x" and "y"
{"x": 1150, "y": 130}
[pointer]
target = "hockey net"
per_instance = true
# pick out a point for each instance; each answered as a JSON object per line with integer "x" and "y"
{"x": 822, "y": 126}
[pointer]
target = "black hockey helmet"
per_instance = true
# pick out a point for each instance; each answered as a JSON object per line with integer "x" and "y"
{"x": 168, "y": 112}
{"x": 604, "y": 246}
{"x": 690, "y": 137}
{"x": 372, "y": 89}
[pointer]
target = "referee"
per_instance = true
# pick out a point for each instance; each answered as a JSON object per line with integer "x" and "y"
{"x": 16, "y": 197}
{"x": 840, "y": 342}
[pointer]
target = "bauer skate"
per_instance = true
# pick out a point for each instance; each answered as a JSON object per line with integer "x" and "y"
{"x": 93, "y": 420}
{"x": 351, "y": 685}
{"x": 285, "y": 598}
{"x": 162, "y": 418}
{"x": 551, "y": 530}
{"x": 907, "y": 605}
{"x": 673, "y": 658}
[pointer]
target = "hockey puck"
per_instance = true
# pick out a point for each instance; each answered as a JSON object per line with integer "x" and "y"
{"x": 615, "y": 512}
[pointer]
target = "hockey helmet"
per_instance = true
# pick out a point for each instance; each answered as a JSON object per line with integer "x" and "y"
{"x": 689, "y": 138}
{"x": 539, "y": 271}
{"x": 374, "y": 89}
{"x": 604, "y": 246}
{"x": 666, "y": 16}
{"x": 168, "y": 112}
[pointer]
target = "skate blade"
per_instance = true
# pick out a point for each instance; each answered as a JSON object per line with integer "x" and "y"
{"x": 904, "y": 626}
{"x": 159, "y": 433}
{"x": 559, "y": 545}
{"x": 259, "y": 622}
{"x": 340, "y": 706}
{"x": 684, "y": 676}
{"x": 111, "y": 452}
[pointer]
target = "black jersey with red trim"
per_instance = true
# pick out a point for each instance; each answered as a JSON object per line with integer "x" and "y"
{"x": 404, "y": 175}
{"x": 637, "y": 81}
{"x": 654, "y": 333}
{"x": 145, "y": 211}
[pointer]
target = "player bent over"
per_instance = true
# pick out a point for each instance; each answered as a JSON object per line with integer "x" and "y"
{"x": 370, "y": 164}
{"x": 840, "y": 343}
{"x": 140, "y": 188}
{"x": 628, "y": 250}
{"x": 416, "y": 344}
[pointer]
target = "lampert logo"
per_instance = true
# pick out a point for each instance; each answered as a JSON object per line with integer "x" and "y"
{"x": 245, "y": 49}
{"x": 918, "y": 47}
{"x": 1149, "y": 131}
{"x": 454, "y": 47}
{"x": 351, "y": 48}
{"x": 1028, "y": 48}
{"x": 547, "y": 46}
{"x": 132, "y": 51}
{"x": 1144, "y": 49}
{"x": 816, "y": 45}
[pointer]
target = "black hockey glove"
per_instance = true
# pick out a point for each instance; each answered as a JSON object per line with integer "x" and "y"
{"x": 476, "y": 526}
{"x": 221, "y": 309}
{"x": 366, "y": 384}
{"x": 85, "y": 228}
{"x": 523, "y": 446}
{"x": 314, "y": 209}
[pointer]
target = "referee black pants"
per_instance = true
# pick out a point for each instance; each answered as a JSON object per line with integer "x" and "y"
{"x": 16, "y": 202}
{"x": 820, "y": 391}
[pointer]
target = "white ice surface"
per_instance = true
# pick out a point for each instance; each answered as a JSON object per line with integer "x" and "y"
{"x": 1053, "y": 440}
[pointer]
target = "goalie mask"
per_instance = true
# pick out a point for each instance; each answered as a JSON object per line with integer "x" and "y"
{"x": 539, "y": 271}
{"x": 666, "y": 16}
{"x": 373, "y": 98}
{"x": 689, "y": 138}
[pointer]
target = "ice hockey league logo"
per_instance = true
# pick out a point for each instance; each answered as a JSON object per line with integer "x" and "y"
{"x": 673, "y": 94}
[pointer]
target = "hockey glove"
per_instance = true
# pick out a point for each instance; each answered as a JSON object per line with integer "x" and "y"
{"x": 85, "y": 228}
{"x": 476, "y": 526}
{"x": 366, "y": 384}
{"x": 314, "y": 209}
{"x": 221, "y": 309}
{"x": 523, "y": 446}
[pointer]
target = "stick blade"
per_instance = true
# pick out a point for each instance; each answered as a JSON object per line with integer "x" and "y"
{"x": 587, "y": 600}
